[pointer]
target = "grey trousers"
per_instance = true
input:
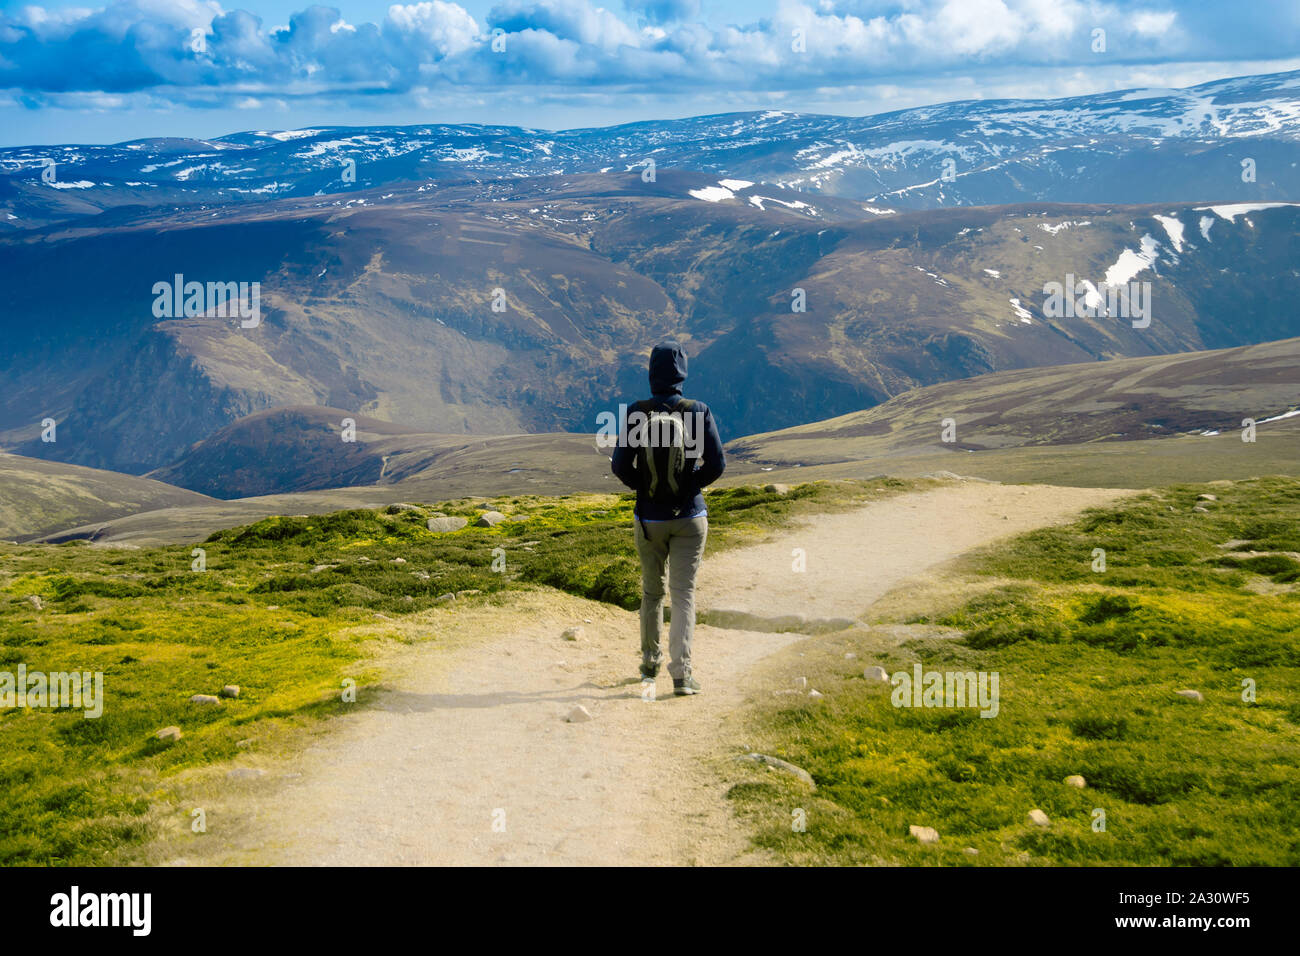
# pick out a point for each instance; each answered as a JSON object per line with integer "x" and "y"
{"x": 679, "y": 544}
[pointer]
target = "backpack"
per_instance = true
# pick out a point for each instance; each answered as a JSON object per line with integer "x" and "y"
{"x": 661, "y": 460}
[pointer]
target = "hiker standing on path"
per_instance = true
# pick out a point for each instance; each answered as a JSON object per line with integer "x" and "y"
{"x": 668, "y": 452}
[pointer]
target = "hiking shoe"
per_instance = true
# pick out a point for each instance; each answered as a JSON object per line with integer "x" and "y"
{"x": 686, "y": 687}
{"x": 649, "y": 673}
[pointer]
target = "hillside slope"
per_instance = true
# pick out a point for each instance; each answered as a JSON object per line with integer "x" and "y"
{"x": 39, "y": 497}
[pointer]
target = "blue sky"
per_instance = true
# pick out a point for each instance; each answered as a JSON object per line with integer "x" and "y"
{"x": 86, "y": 71}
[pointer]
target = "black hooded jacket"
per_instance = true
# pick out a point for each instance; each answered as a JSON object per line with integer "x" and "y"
{"x": 667, "y": 372}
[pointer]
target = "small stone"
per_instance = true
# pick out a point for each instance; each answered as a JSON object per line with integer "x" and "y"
{"x": 776, "y": 763}
{"x": 443, "y": 598}
{"x": 204, "y": 699}
{"x": 776, "y": 489}
{"x": 971, "y": 851}
{"x": 1207, "y": 498}
{"x": 579, "y": 715}
{"x": 815, "y": 694}
{"x": 322, "y": 567}
{"x": 421, "y": 575}
{"x": 230, "y": 690}
{"x": 876, "y": 673}
{"x": 1039, "y": 818}
{"x": 169, "y": 734}
{"x": 1199, "y": 510}
{"x": 442, "y": 524}
{"x": 35, "y": 601}
{"x": 573, "y": 634}
{"x": 850, "y": 656}
{"x": 399, "y": 560}
{"x": 1075, "y": 780}
{"x": 1195, "y": 695}
{"x": 923, "y": 834}
{"x": 489, "y": 519}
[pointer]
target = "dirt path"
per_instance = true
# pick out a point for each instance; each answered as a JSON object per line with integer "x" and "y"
{"x": 468, "y": 758}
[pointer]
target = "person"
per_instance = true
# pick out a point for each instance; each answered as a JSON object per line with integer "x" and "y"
{"x": 668, "y": 452}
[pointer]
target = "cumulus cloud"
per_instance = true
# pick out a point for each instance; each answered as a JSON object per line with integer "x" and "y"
{"x": 197, "y": 52}
{"x": 663, "y": 11}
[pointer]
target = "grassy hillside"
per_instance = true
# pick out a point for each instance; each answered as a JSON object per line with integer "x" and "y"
{"x": 1130, "y": 399}
{"x": 38, "y": 497}
{"x": 300, "y": 448}
{"x": 1090, "y": 663}
{"x": 285, "y": 609}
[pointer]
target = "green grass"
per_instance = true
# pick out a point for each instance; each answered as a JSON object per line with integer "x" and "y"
{"x": 80, "y": 791}
{"x": 1089, "y": 665}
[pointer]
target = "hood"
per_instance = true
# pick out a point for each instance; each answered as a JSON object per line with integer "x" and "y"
{"x": 667, "y": 369}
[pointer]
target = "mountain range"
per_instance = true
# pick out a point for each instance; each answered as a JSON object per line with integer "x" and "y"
{"x": 473, "y": 281}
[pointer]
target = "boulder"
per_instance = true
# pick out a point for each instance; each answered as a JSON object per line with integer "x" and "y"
{"x": 572, "y": 634}
{"x": 1038, "y": 818}
{"x": 923, "y": 834}
{"x": 169, "y": 734}
{"x": 441, "y": 525}
{"x": 204, "y": 699}
{"x": 1195, "y": 695}
{"x": 230, "y": 690}
{"x": 876, "y": 673}
{"x": 579, "y": 715}
{"x": 1075, "y": 780}
{"x": 489, "y": 519}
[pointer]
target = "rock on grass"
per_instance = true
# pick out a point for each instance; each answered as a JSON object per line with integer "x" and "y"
{"x": 441, "y": 525}
{"x": 776, "y": 763}
{"x": 923, "y": 834}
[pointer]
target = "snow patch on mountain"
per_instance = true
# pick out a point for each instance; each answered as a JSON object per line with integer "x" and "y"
{"x": 1231, "y": 211}
{"x": 1130, "y": 263}
{"x": 713, "y": 193}
{"x": 1174, "y": 229}
{"x": 1054, "y": 229}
